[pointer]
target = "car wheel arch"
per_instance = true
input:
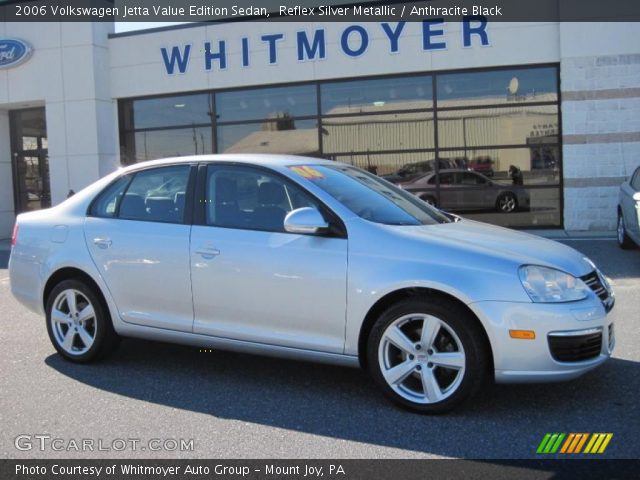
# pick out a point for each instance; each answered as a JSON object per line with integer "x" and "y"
{"x": 397, "y": 296}
{"x": 68, "y": 273}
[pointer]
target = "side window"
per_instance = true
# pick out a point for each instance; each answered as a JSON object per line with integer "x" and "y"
{"x": 156, "y": 195}
{"x": 446, "y": 179}
{"x": 106, "y": 205}
{"x": 635, "y": 181}
{"x": 471, "y": 179}
{"x": 247, "y": 198}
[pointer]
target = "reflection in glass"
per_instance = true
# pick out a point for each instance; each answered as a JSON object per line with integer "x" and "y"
{"x": 536, "y": 165}
{"x": 33, "y": 188}
{"x": 544, "y": 210}
{"x": 405, "y": 93}
{"x": 400, "y": 131}
{"x": 266, "y": 103}
{"x": 517, "y": 125}
{"x": 498, "y": 86}
{"x": 299, "y": 137}
{"x": 149, "y": 145}
{"x": 394, "y": 167}
{"x": 167, "y": 111}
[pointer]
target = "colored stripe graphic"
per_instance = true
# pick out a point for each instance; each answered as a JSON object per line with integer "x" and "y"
{"x": 550, "y": 443}
{"x": 581, "y": 443}
{"x": 573, "y": 443}
{"x": 598, "y": 442}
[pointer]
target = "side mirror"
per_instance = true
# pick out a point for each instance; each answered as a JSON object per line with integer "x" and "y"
{"x": 305, "y": 220}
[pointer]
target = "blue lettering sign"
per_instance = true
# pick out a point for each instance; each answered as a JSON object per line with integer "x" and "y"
{"x": 308, "y": 51}
{"x": 13, "y": 52}
{"x": 245, "y": 52}
{"x": 478, "y": 28}
{"x": 220, "y": 55}
{"x": 309, "y": 45}
{"x": 181, "y": 59}
{"x": 271, "y": 40}
{"x": 364, "y": 40}
{"x": 428, "y": 32}
{"x": 393, "y": 35}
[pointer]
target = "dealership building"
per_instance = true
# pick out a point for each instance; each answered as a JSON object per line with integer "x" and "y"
{"x": 557, "y": 103}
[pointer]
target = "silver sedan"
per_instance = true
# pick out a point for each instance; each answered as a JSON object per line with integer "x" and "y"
{"x": 312, "y": 260}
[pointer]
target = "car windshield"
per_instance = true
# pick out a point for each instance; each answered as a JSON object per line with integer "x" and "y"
{"x": 370, "y": 197}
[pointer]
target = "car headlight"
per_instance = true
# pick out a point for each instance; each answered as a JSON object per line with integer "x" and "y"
{"x": 547, "y": 285}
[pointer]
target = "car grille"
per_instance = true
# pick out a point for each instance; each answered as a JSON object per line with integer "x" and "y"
{"x": 575, "y": 348}
{"x": 593, "y": 282}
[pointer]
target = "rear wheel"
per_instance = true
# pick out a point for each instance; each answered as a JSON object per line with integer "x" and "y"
{"x": 507, "y": 203}
{"x": 78, "y": 323}
{"x": 624, "y": 241}
{"x": 428, "y": 356}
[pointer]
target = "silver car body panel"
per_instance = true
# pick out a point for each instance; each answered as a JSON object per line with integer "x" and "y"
{"x": 301, "y": 296}
{"x": 629, "y": 202}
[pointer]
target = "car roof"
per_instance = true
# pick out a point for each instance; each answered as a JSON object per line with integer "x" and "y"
{"x": 262, "y": 159}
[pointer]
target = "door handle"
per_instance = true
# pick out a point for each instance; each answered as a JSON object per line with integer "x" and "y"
{"x": 208, "y": 252}
{"x": 102, "y": 242}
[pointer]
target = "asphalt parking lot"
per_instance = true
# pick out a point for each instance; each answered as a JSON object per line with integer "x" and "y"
{"x": 240, "y": 406}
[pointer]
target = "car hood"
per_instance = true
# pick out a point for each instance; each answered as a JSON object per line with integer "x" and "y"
{"x": 489, "y": 240}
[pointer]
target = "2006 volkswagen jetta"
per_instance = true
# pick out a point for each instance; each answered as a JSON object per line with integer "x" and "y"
{"x": 312, "y": 260}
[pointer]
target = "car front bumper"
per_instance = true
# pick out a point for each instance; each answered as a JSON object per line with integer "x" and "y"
{"x": 570, "y": 339}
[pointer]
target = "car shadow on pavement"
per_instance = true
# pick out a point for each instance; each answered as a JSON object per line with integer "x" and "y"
{"x": 502, "y": 422}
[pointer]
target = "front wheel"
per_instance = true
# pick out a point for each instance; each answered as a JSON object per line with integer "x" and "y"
{"x": 624, "y": 241}
{"x": 78, "y": 323}
{"x": 428, "y": 355}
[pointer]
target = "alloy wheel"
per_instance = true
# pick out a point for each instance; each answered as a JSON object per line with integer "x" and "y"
{"x": 507, "y": 203}
{"x": 421, "y": 358}
{"x": 73, "y": 322}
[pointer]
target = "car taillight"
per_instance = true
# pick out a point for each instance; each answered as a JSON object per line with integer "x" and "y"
{"x": 14, "y": 235}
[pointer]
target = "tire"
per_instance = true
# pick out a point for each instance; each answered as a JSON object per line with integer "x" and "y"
{"x": 624, "y": 241}
{"x": 454, "y": 337}
{"x": 429, "y": 199}
{"x": 77, "y": 336}
{"x": 507, "y": 203}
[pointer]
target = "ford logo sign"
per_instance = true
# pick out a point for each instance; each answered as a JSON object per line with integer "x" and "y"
{"x": 13, "y": 52}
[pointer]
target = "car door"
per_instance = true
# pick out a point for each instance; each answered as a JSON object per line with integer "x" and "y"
{"x": 629, "y": 206}
{"x": 138, "y": 235}
{"x": 448, "y": 194}
{"x": 253, "y": 281}
{"x": 476, "y": 191}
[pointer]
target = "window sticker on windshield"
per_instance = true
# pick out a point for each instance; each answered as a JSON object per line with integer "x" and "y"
{"x": 306, "y": 171}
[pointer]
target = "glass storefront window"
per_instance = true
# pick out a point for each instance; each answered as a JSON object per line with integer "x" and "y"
{"x": 398, "y": 131}
{"x": 517, "y": 125}
{"x": 536, "y": 165}
{"x": 395, "y": 167}
{"x": 29, "y": 153}
{"x": 497, "y": 87}
{"x": 152, "y": 144}
{"x": 299, "y": 137}
{"x": 496, "y": 129}
{"x": 180, "y": 110}
{"x": 266, "y": 103}
{"x": 356, "y": 96}
{"x": 543, "y": 209}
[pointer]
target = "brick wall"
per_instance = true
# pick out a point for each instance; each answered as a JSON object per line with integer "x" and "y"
{"x": 601, "y": 135}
